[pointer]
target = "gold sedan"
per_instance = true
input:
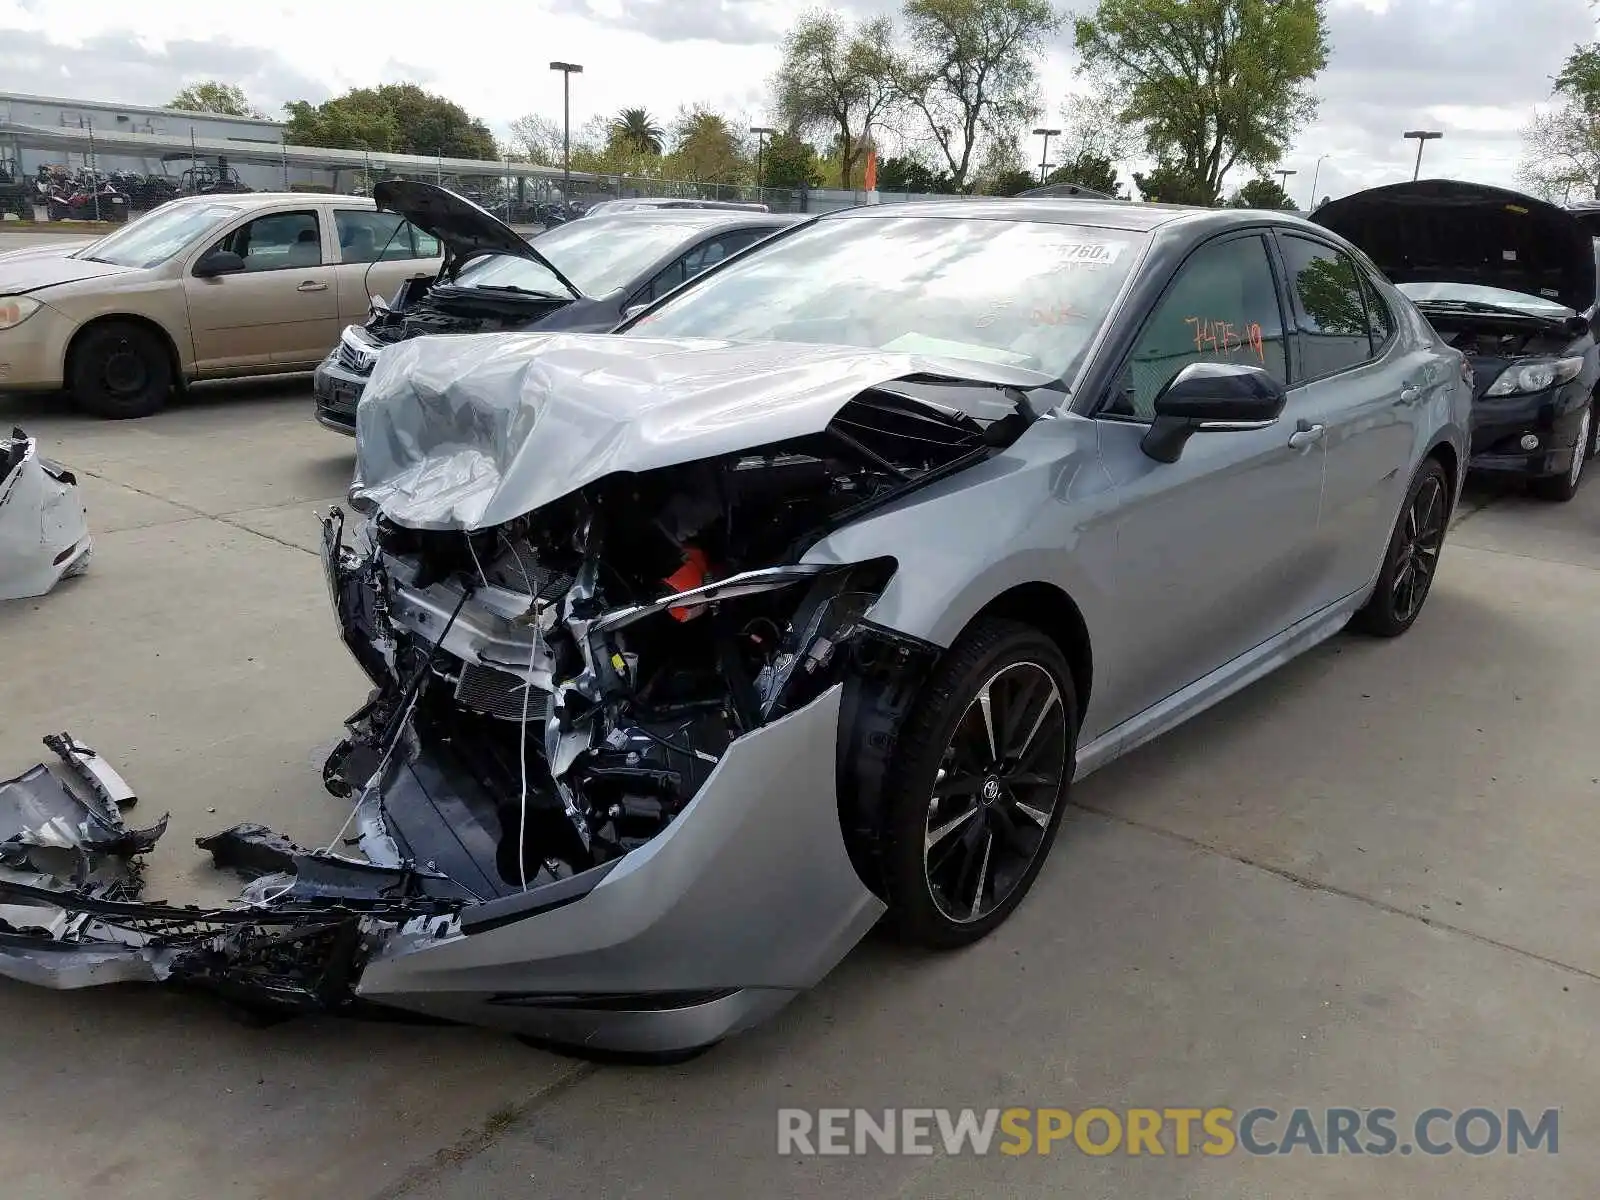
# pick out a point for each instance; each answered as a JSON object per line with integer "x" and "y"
{"x": 207, "y": 287}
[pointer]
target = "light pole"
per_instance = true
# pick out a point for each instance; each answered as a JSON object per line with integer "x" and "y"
{"x": 568, "y": 70}
{"x": 1283, "y": 174}
{"x": 762, "y": 132}
{"x": 1044, "y": 154}
{"x": 1312, "y": 207}
{"x": 1423, "y": 136}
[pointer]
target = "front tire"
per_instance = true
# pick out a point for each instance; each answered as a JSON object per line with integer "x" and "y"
{"x": 1412, "y": 558}
{"x": 1561, "y": 488}
{"x": 119, "y": 370}
{"x": 978, "y": 784}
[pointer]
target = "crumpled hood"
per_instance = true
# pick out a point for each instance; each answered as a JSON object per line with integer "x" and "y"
{"x": 470, "y": 432}
{"x": 28, "y": 270}
{"x": 1447, "y": 231}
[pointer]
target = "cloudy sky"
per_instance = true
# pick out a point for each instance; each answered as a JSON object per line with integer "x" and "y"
{"x": 1471, "y": 68}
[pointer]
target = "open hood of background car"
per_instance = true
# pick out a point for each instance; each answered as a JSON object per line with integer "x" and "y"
{"x": 468, "y": 433}
{"x": 466, "y": 230}
{"x": 1446, "y": 231}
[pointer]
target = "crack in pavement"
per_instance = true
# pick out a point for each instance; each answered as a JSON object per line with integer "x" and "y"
{"x": 1315, "y": 885}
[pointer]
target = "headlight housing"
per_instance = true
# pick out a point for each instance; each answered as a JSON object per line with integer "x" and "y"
{"x": 14, "y": 310}
{"x": 1535, "y": 376}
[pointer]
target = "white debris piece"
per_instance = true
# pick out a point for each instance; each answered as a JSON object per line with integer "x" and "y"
{"x": 44, "y": 529}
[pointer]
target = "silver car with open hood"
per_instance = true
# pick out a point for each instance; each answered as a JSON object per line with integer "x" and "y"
{"x": 799, "y": 603}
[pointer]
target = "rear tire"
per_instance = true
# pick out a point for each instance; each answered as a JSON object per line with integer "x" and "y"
{"x": 1558, "y": 489}
{"x": 119, "y": 370}
{"x": 978, "y": 784}
{"x": 1412, "y": 558}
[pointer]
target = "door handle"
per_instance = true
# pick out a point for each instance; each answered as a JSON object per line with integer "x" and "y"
{"x": 1306, "y": 435}
{"x": 311, "y": 285}
{"x": 1410, "y": 392}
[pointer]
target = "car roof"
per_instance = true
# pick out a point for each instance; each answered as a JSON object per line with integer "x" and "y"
{"x": 270, "y": 199}
{"x": 1105, "y": 214}
{"x": 701, "y": 218}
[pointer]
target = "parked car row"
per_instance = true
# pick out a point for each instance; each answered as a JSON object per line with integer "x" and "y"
{"x": 803, "y": 596}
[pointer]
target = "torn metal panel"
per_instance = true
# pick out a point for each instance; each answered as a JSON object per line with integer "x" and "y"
{"x": 44, "y": 529}
{"x": 39, "y": 811}
{"x": 457, "y": 433}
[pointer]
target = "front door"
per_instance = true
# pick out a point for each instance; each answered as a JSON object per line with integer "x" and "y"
{"x": 1216, "y": 552}
{"x": 378, "y": 251}
{"x": 282, "y": 310}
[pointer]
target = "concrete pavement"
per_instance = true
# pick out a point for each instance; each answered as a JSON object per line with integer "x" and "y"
{"x": 1366, "y": 881}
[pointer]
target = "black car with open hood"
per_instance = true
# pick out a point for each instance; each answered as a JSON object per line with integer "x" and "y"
{"x": 1510, "y": 281}
{"x": 581, "y": 277}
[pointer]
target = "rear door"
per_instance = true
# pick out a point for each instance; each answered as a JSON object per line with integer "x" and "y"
{"x": 1358, "y": 388}
{"x": 280, "y": 311}
{"x": 1215, "y": 552}
{"x": 377, "y": 252}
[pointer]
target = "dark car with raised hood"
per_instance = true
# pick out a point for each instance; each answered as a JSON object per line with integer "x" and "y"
{"x": 1510, "y": 281}
{"x": 581, "y": 277}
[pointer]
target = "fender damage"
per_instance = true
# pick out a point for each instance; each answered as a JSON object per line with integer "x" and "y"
{"x": 614, "y": 785}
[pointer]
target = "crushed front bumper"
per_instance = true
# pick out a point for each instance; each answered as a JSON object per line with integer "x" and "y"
{"x": 746, "y": 899}
{"x": 1498, "y": 426}
{"x": 44, "y": 529}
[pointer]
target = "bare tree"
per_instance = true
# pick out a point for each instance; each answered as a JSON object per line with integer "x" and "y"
{"x": 1561, "y": 153}
{"x": 538, "y": 139}
{"x": 836, "y": 82}
{"x": 972, "y": 71}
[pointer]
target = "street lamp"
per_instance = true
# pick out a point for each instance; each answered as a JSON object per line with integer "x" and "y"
{"x": 1312, "y": 207}
{"x": 762, "y": 132}
{"x": 1283, "y": 178}
{"x": 568, "y": 70}
{"x": 1423, "y": 136}
{"x": 1044, "y": 154}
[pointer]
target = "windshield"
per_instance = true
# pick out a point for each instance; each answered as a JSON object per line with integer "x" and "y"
{"x": 157, "y": 236}
{"x": 602, "y": 255}
{"x": 518, "y": 274}
{"x": 1019, "y": 293}
{"x": 1477, "y": 293}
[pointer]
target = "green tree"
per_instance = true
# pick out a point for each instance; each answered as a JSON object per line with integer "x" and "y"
{"x": 789, "y": 162}
{"x": 908, "y": 173}
{"x": 1331, "y": 297}
{"x": 635, "y": 129}
{"x": 400, "y": 118}
{"x": 705, "y": 149}
{"x": 1167, "y": 183}
{"x": 1091, "y": 171}
{"x": 971, "y": 71}
{"x": 214, "y": 96}
{"x": 836, "y": 80}
{"x": 1262, "y": 193}
{"x": 1210, "y": 83}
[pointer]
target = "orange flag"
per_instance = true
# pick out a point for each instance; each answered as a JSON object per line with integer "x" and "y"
{"x": 872, "y": 171}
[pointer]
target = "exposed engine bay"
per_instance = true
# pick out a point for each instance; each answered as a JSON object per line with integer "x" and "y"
{"x": 419, "y": 309}
{"x": 1488, "y": 336}
{"x": 552, "y": 694}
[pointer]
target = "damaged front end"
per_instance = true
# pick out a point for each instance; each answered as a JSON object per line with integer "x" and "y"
{"x": 615, "y": 785}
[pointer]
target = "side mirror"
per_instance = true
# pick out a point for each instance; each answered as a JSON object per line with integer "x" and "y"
{"x": 1211, "y": 397}
{"x": 218, "y": 262}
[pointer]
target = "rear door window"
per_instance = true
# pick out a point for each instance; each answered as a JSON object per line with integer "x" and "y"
{"x": 366, "y": 236}
{"x": 1331, "y": 314}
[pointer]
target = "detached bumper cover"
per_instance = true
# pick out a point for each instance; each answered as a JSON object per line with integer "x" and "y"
{"x": 748, "y": 898}
{"x": 44, "y": 529}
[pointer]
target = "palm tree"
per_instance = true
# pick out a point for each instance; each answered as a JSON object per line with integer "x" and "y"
{"x": 634, "y": 128}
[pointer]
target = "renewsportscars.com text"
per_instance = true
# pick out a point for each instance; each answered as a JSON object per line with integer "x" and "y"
{"x": 1180, "y": 1132}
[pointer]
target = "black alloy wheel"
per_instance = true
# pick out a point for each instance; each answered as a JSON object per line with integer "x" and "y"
{"x": 979, "y": 784}
{"x": 1413, "y": 556}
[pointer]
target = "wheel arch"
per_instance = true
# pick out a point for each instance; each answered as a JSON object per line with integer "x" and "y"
{"x": 1054, "y": 613}
{"x": 168, "y": 343}
{"x": 1447, "y": 457}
